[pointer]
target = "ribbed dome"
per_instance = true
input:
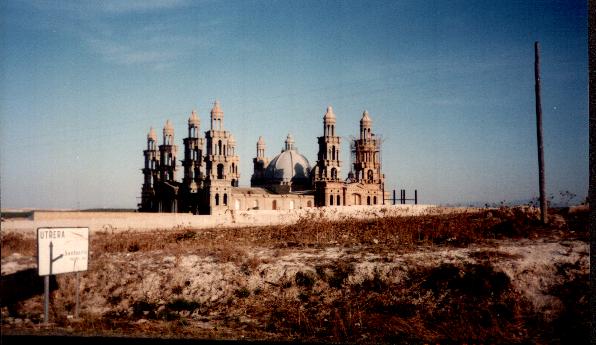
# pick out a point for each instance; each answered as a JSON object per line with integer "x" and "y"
{"x": 288, "y": 165}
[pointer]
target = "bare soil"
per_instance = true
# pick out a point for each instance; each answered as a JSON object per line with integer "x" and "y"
{"x": 493, "y": 276}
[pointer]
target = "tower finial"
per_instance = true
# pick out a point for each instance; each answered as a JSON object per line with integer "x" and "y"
{"x": 365, "y": 118}
{"x": 329, "y": 114}
{"x": 289, "y": 142}
{"x": 194, "y": 118}
{"x": 152, "y": 135}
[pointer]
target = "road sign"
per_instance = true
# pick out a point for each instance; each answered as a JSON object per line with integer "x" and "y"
{"x": 62, "y": 250}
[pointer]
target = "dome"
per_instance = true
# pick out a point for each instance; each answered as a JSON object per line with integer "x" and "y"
{"x": 288, "y": 165}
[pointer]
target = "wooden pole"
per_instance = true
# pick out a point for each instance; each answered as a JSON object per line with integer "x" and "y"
{"x": 543, "y": 208}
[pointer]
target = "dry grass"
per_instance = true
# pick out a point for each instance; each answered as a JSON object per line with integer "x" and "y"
{"x": 390, "y": 232}
{"x": 386, "y": 232}
{"x": 471, "y": 303}
{"x": 17, "y": 243}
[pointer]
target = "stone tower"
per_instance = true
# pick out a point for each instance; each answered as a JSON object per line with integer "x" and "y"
{"x": 150, "y": 173}
{"x": 193, "y": 155}
{"x": 328, "y": 186}
{"x": 221, "y": 163}
{"x": 260, "y": 162}
{"x": 367, "y": 161}
{"x": 167, "y": 153}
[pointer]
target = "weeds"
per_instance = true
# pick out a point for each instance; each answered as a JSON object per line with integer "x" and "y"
{"x": 452, "y": 302}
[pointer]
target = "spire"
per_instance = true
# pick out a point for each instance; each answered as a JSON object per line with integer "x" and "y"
{"x": 261, "y": 147}
{"x": 329, "y": 115}
{"x": 216, "y": 117}
{"x": 194, "y": 119}
{"x": 216, "y": 111}
{"x": 152, "y": 135}
{"x": 289, "y": 142}
{"x": 261, "y": 141}
{"x": 366, "y": 120}
{"x": 168, "y": 128}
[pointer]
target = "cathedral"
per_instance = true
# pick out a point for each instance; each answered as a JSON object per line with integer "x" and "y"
{"x": 287, "y": 181}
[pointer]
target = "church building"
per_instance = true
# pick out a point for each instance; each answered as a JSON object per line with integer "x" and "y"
{"x": 287, "y": 181}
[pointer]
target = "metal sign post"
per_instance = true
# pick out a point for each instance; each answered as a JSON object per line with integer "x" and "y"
{"x": 46, "y": 298}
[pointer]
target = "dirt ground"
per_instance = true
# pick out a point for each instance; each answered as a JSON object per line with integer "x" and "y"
{"x": 493, "y": 276}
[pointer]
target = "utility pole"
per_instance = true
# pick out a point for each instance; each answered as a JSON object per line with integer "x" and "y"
{"x": 543, "y": 208}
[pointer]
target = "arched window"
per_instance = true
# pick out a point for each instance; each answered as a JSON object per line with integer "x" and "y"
{"x": 370, "y": 175}
{"x": 331, "y": 200}
{"x": 333, "y": 173}
{"x": 308, "y": 204}
{"x": 219, "y": 147}
{"x": 338, "y": 201}
{"x": 374, "y": 200}
{"x": 274, "y": 205}
{"x": 220, "y": 171}
{"x": 225, "y": 199}
{"x": 216, "y": 199}
{"x": 332, "y": 130}
{"x": 333, "y": 152}
{"x": 368, "y": 200}
{"x": 357, "y": 199}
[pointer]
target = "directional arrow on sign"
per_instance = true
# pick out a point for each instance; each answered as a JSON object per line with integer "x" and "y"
{"x": 52, "y": 259}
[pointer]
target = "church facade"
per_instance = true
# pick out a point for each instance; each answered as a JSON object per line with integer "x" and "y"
{"x": 209, "y": 184}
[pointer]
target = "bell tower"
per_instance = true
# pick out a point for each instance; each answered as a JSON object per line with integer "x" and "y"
{"x": 221, "y": 163}
{"x": 150, "y": 174}
{"x": 193, "y": 155}
{"x": 260, "y": 163}
{"x": 327, "y": 171}
{"x": 167, "y": 152}
{"x": 367, "y": 164}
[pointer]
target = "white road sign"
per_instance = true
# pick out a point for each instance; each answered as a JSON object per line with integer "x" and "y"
{"x": 62, "y": 250}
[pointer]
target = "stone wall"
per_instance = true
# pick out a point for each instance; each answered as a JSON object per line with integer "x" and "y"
{"x": 135, "y": 221}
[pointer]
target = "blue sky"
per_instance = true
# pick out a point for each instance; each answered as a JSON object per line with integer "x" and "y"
{"x": 449, "y": 85}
